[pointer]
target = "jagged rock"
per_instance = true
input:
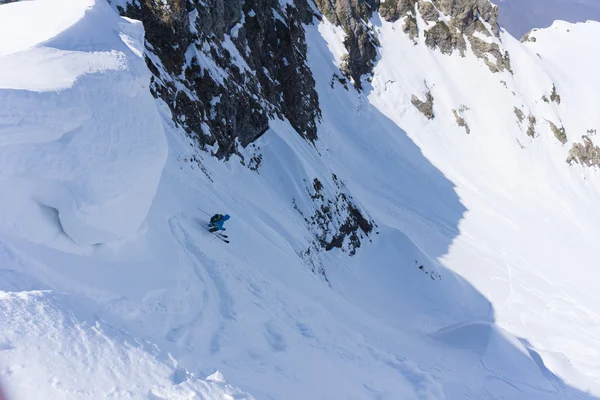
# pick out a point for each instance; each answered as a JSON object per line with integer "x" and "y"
{"x": 225, "y": 67}
{"x": 531, "y": 127}
{"x": 393, "y": 10}
{"x": 554, "y": 96}
{"x": 482, "y": 49}
{"x": 519, "y": 114}
{"x": 337, "y": 222}
{"x": 465, "y": 14}
{"x": 559, "y": 133}
{"x": 410, "y": 28}
{"x": 461, "y": 121}
{"x": 425, "y": 107}
{"x": 445, "y": 38}
{"x": 360, "y": 40}
{"x": 528, "y": 38}
{"x": 585, "y": 154}
{"x": 428, "y": 11}
{"x": 467, "y": 17}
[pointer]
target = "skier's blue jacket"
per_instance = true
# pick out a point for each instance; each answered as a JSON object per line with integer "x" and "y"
{"x": 219, "y": 223}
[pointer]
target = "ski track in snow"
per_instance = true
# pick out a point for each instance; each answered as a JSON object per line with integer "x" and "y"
{"x": 207, "y": 270}
{"x": 111, "y": 287}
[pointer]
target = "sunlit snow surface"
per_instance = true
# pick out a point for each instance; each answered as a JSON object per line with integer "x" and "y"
{"x": 111, "y": 287}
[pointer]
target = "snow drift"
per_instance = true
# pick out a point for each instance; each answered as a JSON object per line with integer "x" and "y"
{"x": 80, "y": 134}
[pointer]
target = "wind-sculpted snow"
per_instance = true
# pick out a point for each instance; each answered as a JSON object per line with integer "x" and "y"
{"x": 79, "y": 131}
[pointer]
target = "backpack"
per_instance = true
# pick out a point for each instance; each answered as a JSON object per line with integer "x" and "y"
{"x": 215, "y": 218}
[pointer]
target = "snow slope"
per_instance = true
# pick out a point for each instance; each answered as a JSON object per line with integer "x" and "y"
{"x": 111, "y": 287}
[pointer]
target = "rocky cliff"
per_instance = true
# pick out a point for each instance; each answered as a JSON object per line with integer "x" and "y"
{"x": 226, "y": 68}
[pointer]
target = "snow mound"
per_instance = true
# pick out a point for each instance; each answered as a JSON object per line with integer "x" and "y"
{"x": 498, "y": 350}
{"x": 107, "y": 360}
{"x": 81, "y": 138}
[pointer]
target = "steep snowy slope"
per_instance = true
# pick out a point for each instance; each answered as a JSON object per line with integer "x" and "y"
{"x": 457, "y": 265}
{"x": 527, "y": 241}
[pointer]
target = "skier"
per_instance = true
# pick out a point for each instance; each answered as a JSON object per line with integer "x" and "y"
{"x": 217, "y": 221}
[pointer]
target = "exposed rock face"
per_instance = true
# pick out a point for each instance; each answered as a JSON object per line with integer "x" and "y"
{"x": 337, "y": 222}
{"x": 460, "y": 119}
{"x": 554, "y": 96}
{"x": 227, "y": 66}
{"x": 519, "y": 114}
{"x": 465, "y": 14}
{"x": 393, "y": 10}
{"x": 528, "y": 38}
{"x": 585, "y": 154}
{"x": 468, "y": 19}
{"x": 559, "y": 133}
{"x": 531, "y": 127}
{"x": 428, "y": 11}
{"x": 360, "y": 40}
{"x": 425, "y": 107}
{"x": 445, "y": 38}
{"x": 482, "y": 49}
{"x": 411, "y": 28}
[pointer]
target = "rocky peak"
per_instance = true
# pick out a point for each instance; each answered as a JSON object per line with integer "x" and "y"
{"x": 466, "y": 15}
{"x": 360, "y": 42}
{"x": 450, "y": 24}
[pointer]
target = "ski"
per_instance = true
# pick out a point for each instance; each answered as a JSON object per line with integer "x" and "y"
{"x": 218, "y": 233}
{"x": 222, "y": 237}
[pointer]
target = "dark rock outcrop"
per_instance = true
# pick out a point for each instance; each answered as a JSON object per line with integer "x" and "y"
{"x": 585, "y": 153}
{"x": 425, "y": 107}
{"x": 531, "y": 128}
{"x": 225, "y": 67}
{"x": 559, "y": 133}
{"x": 519, "y": 114}
{"x": 468, "y": 21}
{"x": 554, "y": 96}
{"x": 360, "y": 41}
{"x": 484, "y": 50}
{"x": 445, "y": 38}
{"x": 428, "y": 11}
{"x": 411, "y": 28}
{"x": 460, "y": 120}
{"x": 465, "y": 14}
{"x": 393, "y": 10}
{"x": 336, "y": 222}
